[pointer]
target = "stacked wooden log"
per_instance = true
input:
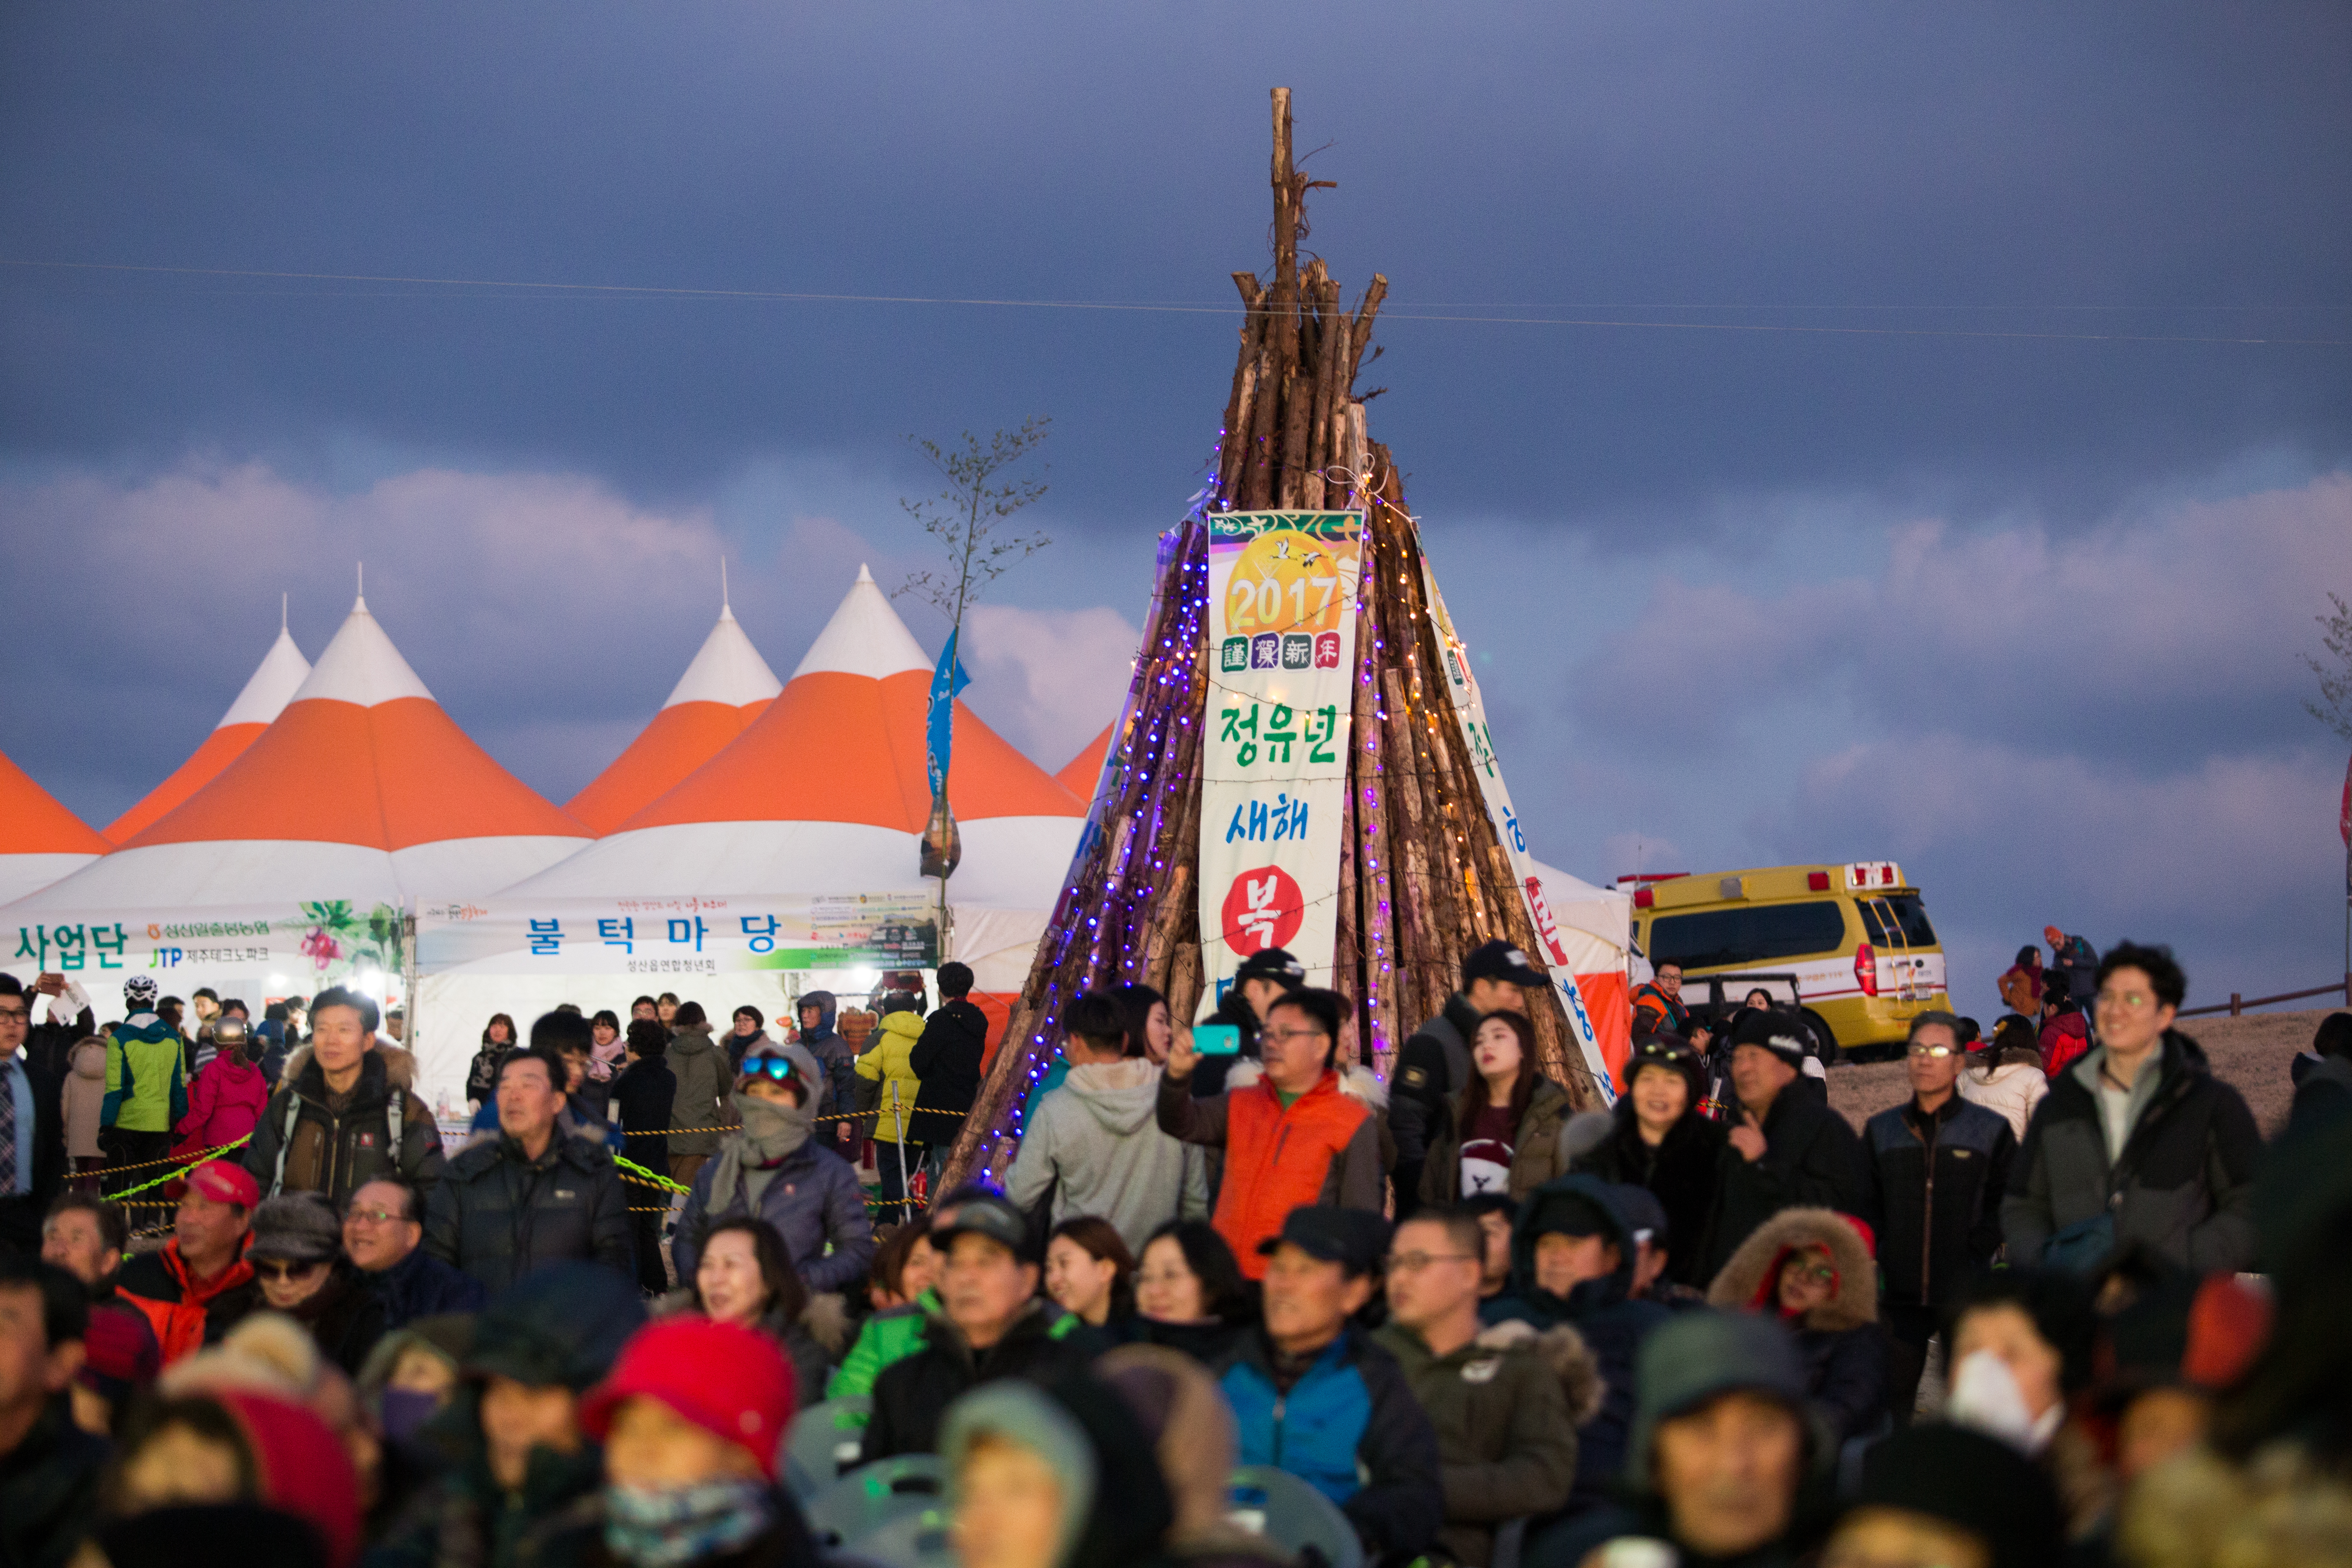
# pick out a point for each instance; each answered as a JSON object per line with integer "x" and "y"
{"x": 1424, "y": 877}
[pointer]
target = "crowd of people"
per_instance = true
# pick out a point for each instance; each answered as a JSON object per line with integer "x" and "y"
{"x": 2061, "y": 1302}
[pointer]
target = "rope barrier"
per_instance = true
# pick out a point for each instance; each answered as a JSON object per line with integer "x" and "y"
{"x": 122, "y": 1192}
{"x": 174, "y": 1159}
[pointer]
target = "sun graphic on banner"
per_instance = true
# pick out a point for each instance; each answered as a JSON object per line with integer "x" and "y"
{"x": 1286, "y": 581}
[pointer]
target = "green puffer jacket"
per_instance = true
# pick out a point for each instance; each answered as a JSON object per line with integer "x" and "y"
{"x": 145, "y": 1089}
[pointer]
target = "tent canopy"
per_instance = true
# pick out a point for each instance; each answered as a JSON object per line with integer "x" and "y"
{"x": 826, "y": 792}
{"x": 1081, "y": 773}
{"x": 362, "y": 789}
{"x": 728, "y": 685}
{"x": 281, "y": 673}
{"x": 40, "y": 840}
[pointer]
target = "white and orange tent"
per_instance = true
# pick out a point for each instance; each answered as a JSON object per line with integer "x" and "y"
{"x": 361, "y": 789}
{"x": 726, "y": 686}
{"x": 825, "y": 792}
{"x": 282, "y": 672}
{"x": 1590, "y": 930}
{"x": 40, "y": 840}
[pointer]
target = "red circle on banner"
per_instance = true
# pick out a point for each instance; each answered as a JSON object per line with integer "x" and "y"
{"x": 1264, "y": 909}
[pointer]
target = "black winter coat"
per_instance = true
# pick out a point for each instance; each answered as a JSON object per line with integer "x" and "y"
{"x": 1812, "y": 1160}
{"x": 1209, "y": 1077}
{"x": 947, "y": 1058}
{"x": 912, "y": 1394}
{"x": 2184, "y": 1186}
{"x": 49, "y": 1490}
{"x": 1682, "y": 1172}
{"x": 497, "y": 1216}
{"x": 642, "y": 1097}
{"x": 1433, "y": 1066}
{"x": 1935, "y": 1185}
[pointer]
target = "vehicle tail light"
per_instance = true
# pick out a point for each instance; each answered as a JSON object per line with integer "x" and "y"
{"x": 1817, "y": 882}
{"x": 1644, "y": 899}
{"x": 1865, "y": 969}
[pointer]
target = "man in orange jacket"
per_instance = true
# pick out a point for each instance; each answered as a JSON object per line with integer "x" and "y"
{"x": 200, "y": 1284}
{"x": 1296, "y": 1129}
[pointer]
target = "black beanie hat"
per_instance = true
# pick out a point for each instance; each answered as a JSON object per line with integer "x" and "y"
{"x": 1974, "y": 1482}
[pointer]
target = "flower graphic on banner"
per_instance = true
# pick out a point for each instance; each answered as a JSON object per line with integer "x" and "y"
{"x": 342, "y": 941}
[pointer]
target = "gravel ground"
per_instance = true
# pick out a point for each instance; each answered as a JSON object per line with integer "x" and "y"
{"x": 2250, "y": 1051}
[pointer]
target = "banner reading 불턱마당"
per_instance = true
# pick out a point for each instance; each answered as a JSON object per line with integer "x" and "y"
{"x": 1470, "y": 711}
{"x": 1282, "y": 655}
{"x": 655, "y": 937}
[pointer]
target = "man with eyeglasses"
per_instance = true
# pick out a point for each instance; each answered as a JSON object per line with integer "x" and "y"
{"x": 1296, "y": 1127}
{"x": 383, "y": 1236}
{"x": 1504, "y": 1428}
{"x": 2137, "y": 1142}
{"x": 1938, "y": 1166}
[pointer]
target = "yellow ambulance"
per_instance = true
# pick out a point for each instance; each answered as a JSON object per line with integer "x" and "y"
{"x": 1850, "y": 945}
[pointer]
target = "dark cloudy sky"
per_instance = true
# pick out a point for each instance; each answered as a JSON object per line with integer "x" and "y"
{"x": 1992, "y": 550}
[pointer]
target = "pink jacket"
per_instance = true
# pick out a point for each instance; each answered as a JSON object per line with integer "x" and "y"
{"x": 223, "y": 1104}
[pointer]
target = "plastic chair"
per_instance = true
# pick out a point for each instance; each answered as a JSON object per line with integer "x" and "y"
{"x": 861, "y": 1502}
{"x": 824, "y": 1440}
{"x": 1293, "y": 1515}
{"x": 913, "y": 1541}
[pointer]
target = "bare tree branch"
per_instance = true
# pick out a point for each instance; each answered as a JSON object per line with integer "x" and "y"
{"x": 965, "y": 516}
{"x": 2336, "y": 674}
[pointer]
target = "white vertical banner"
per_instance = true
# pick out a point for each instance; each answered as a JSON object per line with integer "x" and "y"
{"x": 1282, "y": 652}
{"x": 1470, "y": 713}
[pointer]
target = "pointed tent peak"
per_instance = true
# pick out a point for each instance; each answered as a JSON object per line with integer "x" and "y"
{"x": 864, "y": 637}
{"x": 281, "y": 674}
{"x": 727, "y": 670}
{"x": 361, "y": 665}
{"x": 864, "y": 574}
{"x": 32, "y": 822}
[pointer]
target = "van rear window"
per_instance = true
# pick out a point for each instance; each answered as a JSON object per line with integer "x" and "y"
{"x": 1714, "y": 938}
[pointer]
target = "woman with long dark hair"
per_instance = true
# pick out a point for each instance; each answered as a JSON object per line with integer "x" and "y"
{"x": 1502, "y": 1131}
{"x": 499, "y": 1037}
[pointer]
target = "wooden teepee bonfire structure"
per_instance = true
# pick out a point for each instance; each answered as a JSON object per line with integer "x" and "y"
{"x": 1423, "y": 875}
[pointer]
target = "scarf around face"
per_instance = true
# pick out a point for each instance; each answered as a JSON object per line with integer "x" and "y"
{"x": 773, "y": 1130}
{"x": 662, "y": 1527}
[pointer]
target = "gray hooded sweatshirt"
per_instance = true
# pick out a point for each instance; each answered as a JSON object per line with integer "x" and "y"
{"x": 1097, "y": 1144}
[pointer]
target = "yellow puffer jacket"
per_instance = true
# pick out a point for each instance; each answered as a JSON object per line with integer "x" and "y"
{"x": 886, "y": 1067}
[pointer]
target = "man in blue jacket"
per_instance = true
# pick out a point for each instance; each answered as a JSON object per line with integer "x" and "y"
{"x": 1312, "y": 1394}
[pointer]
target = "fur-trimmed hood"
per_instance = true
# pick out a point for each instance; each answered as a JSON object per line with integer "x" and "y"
{"x": 399, "y": 1066}
{"x": 1565, "y": 1351}
{"x": 1357, "y": 1083}
{"x": 1748, "y": 1281}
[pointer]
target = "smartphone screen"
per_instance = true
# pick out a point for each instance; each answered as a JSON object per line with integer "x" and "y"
{"x": 1217, "y": 1039}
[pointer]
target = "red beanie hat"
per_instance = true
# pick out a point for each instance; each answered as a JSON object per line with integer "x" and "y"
{"x": 733, "y": 1383}
{"x": 302, "y": 1466}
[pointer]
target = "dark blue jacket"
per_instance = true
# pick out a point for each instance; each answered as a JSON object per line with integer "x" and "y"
{"x": 1350, "y": 1429}
{"x": 1613, "y": 1323}
{"x": 421, "y": 1285}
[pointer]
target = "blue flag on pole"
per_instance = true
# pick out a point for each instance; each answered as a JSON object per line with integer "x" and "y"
{"x": 948, "y": 681}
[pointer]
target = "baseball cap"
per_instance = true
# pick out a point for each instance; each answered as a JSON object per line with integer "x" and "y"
{"x": 672, "y": 1361}
{"x": 1353, "y": 1239}
{"x": 1645, "y": 1216}
{"x": 1272, "y": 963}
{"x": 223, "y": 1182}
{"x": 1500, "y": 961}
{"x": 1568, "y": 1214}
{"x": 987, "y": 1215}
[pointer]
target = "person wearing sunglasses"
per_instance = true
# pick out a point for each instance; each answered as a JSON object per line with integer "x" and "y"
{"x": 1938, "y": 1166}
{"x": 297, "y": 1254}
{"x": 772, "y": 1169}
{"x": 1812, "y": 1269}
